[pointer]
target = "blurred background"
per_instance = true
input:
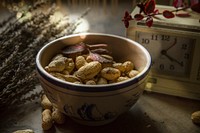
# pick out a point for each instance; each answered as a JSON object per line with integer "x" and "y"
{"x": 102, "y": 15}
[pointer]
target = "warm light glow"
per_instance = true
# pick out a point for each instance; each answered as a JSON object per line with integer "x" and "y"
{"x": 83, "y": 27}
{"x": 83, "y": 24}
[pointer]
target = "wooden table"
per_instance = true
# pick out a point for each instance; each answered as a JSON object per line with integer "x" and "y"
{"x": 153, "y": 113}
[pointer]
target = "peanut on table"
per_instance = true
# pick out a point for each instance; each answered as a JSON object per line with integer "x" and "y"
{"x": 50, "y": 114}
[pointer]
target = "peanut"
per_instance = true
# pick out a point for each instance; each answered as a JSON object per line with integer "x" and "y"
{"x": 133, "y": 73}
{"x": 58, "y": 75}
{"x": 119, "y": 66}
{"x": 45, "y": 103}
{"x": 65, "y": 72}
{"x": 120, "y": 79}
{"x": 89, "y": 70}
{"x": 102, "y": 81}
{"x": 47, "y": 120}
{"x": 69, "y": 65}
{"x": 90, "y": 82}
{"x": 110, "y": 73}
{"x": 56, "y": 65}
{"x": 128, "y": 66}
{"x": 196, "y": 117}
{"x": 80, "y": 61}
{"x": 82, "y": 69}
{"x": 58, "y": 116}
{"x": 71, "y": 78}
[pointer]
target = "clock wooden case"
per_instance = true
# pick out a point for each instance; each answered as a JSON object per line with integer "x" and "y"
{"x": 174, "y": 45}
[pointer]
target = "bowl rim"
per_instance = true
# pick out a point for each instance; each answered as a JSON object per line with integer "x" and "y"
{"x": 92, "y": 88}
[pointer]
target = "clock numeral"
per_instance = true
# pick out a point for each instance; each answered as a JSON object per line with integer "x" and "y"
{"x": 154, "y": 37}
{"x": 145, "y": 41}
{"x": 165, "y": 37}
{"x": 184, "y": 46}
{"x": 186, "y": 56}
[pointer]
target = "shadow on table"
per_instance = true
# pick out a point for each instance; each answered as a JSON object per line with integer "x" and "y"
{"x": 134, "y": 121}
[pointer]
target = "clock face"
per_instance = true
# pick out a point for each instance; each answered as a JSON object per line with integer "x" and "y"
{"x": 171, "y": 55}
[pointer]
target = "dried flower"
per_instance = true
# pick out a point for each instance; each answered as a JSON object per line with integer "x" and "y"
{"x": 148, "y": 11}
{"x": 20, "y": 40}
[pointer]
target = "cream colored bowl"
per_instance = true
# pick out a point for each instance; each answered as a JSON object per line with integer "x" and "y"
{"x": 95, "y": 104}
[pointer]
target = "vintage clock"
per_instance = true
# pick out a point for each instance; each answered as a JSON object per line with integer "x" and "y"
{"x": 174, "y": 45}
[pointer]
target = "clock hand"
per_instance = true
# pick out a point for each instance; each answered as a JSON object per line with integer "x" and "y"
{"x": 164, "y": 52}
{"x": 175, "y": 41}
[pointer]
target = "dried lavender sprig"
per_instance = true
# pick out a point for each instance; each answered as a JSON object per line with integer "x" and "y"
{"x": 13, "y": 64}
{"x": 36, "y": 5}
{"x": 11, "y": 87}
{"x": 24, "y": 53}
{"x": 39, "y": 18}
{"x": 16, "y": 50}
{"x": 24, "y": 89}
{"x": 57, "y": 31}
{"x": 14, "y": 26}
{"x": 32, "y": 97}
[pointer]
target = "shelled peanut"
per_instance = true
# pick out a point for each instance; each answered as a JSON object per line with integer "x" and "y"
{"x": 50, "y": 114}
{"x": 90, "y": 68}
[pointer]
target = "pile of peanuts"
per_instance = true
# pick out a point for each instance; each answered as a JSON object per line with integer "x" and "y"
{"x": 50, "y": 114}
{"x": 83, "y": 70}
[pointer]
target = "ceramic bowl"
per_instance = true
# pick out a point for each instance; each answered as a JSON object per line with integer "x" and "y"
{"x": 95, "y": 104}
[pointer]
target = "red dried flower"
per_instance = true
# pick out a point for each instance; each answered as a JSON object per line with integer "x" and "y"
{"x": 141, "y": 6}
{"x": 196, "y": 7}
{"x": 183, "y": 15}
{"x": 149, "y": 7}
{"x": 148, "y": 11}
{"x": 168, "y": 14}
{"x": 138, "y": 17}
{"x": 126, "y": 19}
{"x": 149, "y": 21}
{"x": 178, "y": 3}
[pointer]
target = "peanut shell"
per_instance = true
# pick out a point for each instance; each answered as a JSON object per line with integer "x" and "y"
{"x": 89, "y": 70}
